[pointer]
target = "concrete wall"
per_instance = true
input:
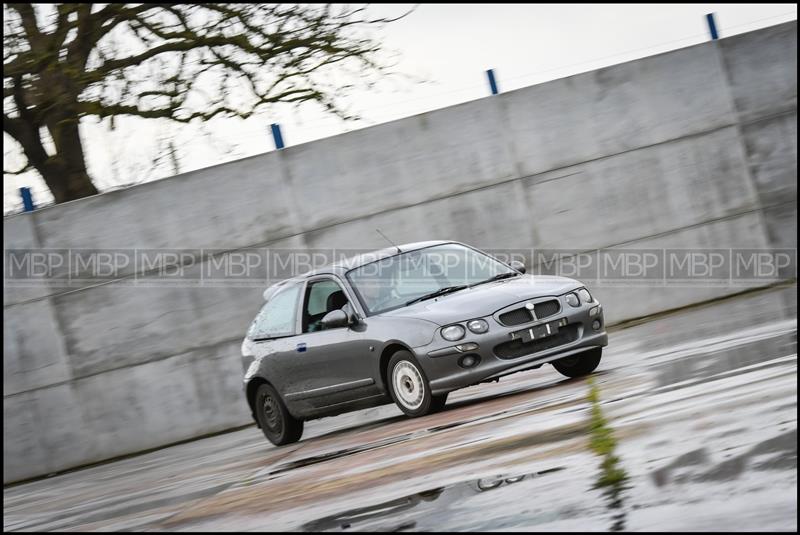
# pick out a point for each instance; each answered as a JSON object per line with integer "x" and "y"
{"x": 696, "y": 148}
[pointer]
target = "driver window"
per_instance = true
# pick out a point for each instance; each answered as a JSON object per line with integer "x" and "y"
{"x": 321, "y": 297}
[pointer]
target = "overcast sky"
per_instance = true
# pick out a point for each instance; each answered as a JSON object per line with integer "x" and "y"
{"x": 448, "y": 45}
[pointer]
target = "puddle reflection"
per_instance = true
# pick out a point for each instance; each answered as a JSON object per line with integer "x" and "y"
{"x": 389, "y": 509}
{"x": 703, "y": 367}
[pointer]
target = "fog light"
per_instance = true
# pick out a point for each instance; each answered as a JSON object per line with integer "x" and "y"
{"x": 469, "y": 361}
{"x": 596, "y": 325}
{"x": 470, "y": 346}
{"x": 594, "y": 311}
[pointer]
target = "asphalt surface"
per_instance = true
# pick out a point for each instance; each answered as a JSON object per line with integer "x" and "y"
{"x": 702, "y": 405}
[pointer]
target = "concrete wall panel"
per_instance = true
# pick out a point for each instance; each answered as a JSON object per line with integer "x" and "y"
{"x": 398, "y": 164}
{"x": 771, "y": 148}
{"x": 616, "y": 109}
{"x": 596, "y": 203}
{"x": 34, "y": 353}
{"x": 762, "y": 70}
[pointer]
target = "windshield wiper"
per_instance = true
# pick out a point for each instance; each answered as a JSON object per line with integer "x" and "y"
{"x": 497, "y": 277}
{"x": 266, "y": 338}
{"x": 437, "y": 293}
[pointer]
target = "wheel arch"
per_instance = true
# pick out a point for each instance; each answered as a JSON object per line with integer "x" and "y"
{"x": 386, "y": 355}
{"x": 250, "y": 393}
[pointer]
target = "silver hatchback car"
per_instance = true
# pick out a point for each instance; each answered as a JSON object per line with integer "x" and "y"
{"x": 409, "y": 324}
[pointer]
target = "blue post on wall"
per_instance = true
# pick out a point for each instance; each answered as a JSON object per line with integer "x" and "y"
{"x": 27, "y": 199}
{"x": 712, "y": 26}
{"x": 276, "y": 135}
{"x": 492, "y": 81}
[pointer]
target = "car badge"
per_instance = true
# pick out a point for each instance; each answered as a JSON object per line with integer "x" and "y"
{"x": 529, "y": 306}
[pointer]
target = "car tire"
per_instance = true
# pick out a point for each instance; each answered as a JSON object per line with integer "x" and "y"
{"x": 277, "y": 424}
{"x": 438, "y": 403}
{"x": 409, "y": 387}
{"x": 579, "y": 365}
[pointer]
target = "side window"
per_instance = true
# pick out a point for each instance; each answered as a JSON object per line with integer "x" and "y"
{"x": 277, "y": 316}
{"x": 321, "y": 297}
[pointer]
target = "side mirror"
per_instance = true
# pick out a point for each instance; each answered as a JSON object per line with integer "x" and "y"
{"x": 335, "y": 318}
{"x": 519, "y": 266}
{"x": 352, "y": 317}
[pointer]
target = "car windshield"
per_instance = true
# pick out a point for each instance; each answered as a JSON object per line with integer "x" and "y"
{"x": 402, "y": 279}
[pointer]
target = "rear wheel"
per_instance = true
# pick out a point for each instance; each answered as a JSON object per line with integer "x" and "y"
{"x": 579, "y": 365}
{"x": 278, "y": 425}
{"x": 409, "y": 387}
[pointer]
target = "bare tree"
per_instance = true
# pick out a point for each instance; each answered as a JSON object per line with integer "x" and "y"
{"x": 183, "y": 62}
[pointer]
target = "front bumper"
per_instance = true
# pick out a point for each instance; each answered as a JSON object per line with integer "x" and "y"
{"x": 440, "y": 359}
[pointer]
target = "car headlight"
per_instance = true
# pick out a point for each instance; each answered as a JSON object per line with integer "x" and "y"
{"x": 453, "y": 333}
{"x": 478, "y": 326}
{"x": 573, "y": 300}
{"x": 585, "y": 295}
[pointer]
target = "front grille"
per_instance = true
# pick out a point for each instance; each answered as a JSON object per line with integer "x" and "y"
{"x": 518, "y": 316}
{"x": 547, "y": 308}
{"x": 516, "y": 348}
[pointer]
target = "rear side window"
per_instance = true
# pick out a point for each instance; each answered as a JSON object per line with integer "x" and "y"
{"x": 277, "y": 316}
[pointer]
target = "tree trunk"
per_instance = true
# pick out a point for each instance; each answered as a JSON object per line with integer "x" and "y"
{"x": 65, "y": 172}
{"x": 67, "y": 185}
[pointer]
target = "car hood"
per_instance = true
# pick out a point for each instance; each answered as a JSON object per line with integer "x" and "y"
{"x": 485, "y": 299}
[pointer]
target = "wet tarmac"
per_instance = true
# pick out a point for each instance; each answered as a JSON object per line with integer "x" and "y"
{"x": 690, "y": 423}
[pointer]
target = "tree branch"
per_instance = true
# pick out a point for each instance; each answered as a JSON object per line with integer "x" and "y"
{"x": 183, "y": 62}
{"x": 28, "y": 17}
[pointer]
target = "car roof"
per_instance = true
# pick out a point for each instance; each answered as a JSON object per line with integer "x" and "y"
{"x": 365, "y": 258}
{"x": 343, "y": 266}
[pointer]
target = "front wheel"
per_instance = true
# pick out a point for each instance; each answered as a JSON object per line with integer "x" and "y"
{"x": 278, "y": 425}
{"x": 409, "y": 387}
{"x": 579, "y": 365}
